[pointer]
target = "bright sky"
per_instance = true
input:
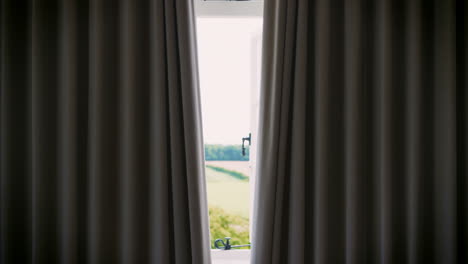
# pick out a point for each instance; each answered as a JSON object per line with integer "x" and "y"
{"x": 226, "y": 55}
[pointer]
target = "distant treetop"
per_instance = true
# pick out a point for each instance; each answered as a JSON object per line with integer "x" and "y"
{"x": 225, "y": 152}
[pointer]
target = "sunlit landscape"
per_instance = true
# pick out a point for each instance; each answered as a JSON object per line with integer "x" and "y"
{"x": 228, "y": 200}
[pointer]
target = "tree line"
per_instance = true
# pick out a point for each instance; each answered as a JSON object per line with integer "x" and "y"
{"x": 225, "y": 152}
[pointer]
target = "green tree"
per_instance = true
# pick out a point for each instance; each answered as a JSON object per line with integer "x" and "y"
{"x": 225, "y": 152}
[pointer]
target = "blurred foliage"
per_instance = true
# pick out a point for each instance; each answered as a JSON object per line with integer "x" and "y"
{"x": 223, "y": 224}
{"x": 225, "y": 152}
{"x": 235, "y": 174}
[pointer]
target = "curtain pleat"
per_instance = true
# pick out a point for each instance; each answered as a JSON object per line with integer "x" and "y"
{"x": 462, "y": 127}
{"x": 16, "y": 194}
{"x": 101, "y": 147}
{"x": 362, "y": 147}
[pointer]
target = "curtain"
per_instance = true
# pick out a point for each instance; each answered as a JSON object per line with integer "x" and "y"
{"x": 363, "y": 133}
{"x": 101, "y": 152}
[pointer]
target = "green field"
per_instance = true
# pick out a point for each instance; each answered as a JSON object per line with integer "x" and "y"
{"x": 228, "y": 200}
{"x": 228, "y": 193}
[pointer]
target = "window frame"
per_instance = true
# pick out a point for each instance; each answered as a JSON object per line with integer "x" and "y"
{"x": 224, "y": 8}
{"x": 230, "y": 256}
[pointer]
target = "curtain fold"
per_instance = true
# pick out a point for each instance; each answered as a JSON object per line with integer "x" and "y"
{"x": 101, "y": 145}
{"x": 362, "y": 141}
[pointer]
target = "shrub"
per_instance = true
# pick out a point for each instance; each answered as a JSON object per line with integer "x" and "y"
{"x": 223, "y": 224}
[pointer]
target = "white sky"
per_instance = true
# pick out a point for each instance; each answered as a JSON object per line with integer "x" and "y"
{"x": 225, "y": 55}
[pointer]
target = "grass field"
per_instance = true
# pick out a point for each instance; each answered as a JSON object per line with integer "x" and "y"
{"x": 228, "y": 193}
{"x": 228, "y": 201}
{"x": 240, "y": 166}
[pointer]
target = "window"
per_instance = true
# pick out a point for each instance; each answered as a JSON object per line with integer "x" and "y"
{"x": 226, "y": 8}
{"x": 229, "y": 49}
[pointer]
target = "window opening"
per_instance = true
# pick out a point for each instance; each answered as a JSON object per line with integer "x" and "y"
{"x": 229, "y": 50}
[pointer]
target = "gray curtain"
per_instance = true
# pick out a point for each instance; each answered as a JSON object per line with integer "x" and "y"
{"x": 363, "y": 133}
{"x": 101, "y": 152}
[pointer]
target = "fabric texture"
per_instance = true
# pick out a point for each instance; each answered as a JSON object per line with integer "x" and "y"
{"x": 363, "y": 133}
{"x": 101, "y": 140}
